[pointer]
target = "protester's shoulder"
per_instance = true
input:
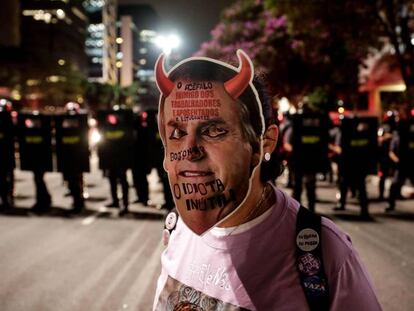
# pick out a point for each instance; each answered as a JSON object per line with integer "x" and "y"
{"x": 333, "y": 233}
{"x": 287, "y": 204}
{"x": 336, "y": 246}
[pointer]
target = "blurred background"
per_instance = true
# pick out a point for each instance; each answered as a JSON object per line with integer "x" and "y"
{"x": 77, "y": 86}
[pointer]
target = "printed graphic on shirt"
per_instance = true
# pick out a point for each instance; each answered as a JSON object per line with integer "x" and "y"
{"x": 179, "y": 297}
{"x": 207, "y": 275}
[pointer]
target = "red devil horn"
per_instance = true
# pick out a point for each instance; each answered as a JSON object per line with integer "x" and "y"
{"x": 164, "y": 83}
{"x": 238, "y": 84}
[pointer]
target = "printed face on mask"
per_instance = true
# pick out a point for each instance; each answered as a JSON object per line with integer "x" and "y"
{"x": 208, "y": 157}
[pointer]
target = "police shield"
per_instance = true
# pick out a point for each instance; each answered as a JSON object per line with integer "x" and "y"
{"x": 116, "y": 129}
{"x": 406, "y": 133}
{"x": 7, "y": 162}
{"x": 141, "y": 147}
{"x": 310, "y": 142}
{"x": 35, "y": 147}
{"x": 359, "y": 143}
{"x": 72, "y": 147}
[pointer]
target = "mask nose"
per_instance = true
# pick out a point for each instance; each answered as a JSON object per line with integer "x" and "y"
{"x": 196, "y": 153}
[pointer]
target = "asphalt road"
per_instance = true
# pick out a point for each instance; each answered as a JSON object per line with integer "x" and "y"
{"x": 98, "y": 261}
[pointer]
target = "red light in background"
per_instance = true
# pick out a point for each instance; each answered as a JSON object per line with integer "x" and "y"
{"x": 412, "y": 112}
{"x": 280, "y": 117}
{"x": 144, "y": 115}
{"x": 112, "y": 119}
{"x": 28, "y": 123}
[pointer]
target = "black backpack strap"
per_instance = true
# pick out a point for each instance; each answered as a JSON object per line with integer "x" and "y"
{"x": 170, "y": 223}
{"x": 309, "y": 259}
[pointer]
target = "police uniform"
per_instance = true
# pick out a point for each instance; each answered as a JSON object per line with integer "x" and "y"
{"x": 385, "y": 164}
{"x": 308, "y": 137}
{"x": 402, "y": 145}
{"x": 358, "y": 142}
{"x": 140, "y": 165}
{"x": 35, "y": 148}
{"x": 7, "y": 161}
{"x": 115, "y": 156}
{"x": 157, "y": 159}
{"x": 72, "y": 150}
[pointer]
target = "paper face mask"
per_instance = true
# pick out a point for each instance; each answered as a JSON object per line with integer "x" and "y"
{"x": 212, "y": 138}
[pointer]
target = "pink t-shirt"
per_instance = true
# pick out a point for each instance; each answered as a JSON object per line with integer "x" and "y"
{"x": 253, "y": 267}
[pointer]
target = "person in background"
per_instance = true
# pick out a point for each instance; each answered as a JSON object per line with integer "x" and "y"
{"x": 401, "y": 154}
{"x": 384, "y": 139}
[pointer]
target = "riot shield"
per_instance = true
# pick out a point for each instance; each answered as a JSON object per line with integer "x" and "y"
{"x": 35, "y": 146}
{"x": 72, "y": 147}
{"x": 310, "y": 137}
{"x": 114, "y": 149}
{"x": 359, "y": 143}
{"x": 141, "y": 148}
{"x": 406, "y": 154}
{"x": 7, "y": 162}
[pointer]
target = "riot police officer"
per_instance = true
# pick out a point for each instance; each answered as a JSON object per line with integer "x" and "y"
{"x": 285, "y": 128}
{"x": 141, "y": 165}
{"x": 157, "y": 158}
{"x": 307, "y": 139}
{"x": 72, "y": 150}
{"x": 7, "y": 161}
{"x": 356, "y": 145}
{"x": 402, "y": 154}
{"x": 385, "y": 133}
{"x": 115, "y": 156}
{"x": 35, "y": 148}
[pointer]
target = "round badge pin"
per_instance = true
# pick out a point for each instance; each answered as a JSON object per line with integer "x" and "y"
{"x": 307, "y": 240}
{"x": 314, "y": 285}
{"x": 171, "y": 221}
{"x": 309, "y": 264}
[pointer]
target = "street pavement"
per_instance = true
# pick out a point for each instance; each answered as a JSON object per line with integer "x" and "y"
{"x": 100, "y": 261}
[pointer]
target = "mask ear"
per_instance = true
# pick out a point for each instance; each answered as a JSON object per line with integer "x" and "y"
{"x": 164, "y": 162}
{"x": 270, "y": 138}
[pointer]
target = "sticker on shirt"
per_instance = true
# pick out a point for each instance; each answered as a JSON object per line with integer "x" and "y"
{"x": 314, "y": 286}
{"x": 309, "y": 264}
{"x": 177, "y": 296}
{"x": 307, "y": 240}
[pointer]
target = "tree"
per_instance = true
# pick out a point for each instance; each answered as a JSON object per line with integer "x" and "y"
{"x": 100, "y": 96}
{"x": 397, "y": 20}
{"x": 308, "y": 46}
{"x": 265, "y": 37}
{"x": 363, "y": 27}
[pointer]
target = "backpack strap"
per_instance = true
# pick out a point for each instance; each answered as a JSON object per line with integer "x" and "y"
{"x": 309, "y": 259}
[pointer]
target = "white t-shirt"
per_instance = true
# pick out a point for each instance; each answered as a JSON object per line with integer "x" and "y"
{"x": 253, "y": 267}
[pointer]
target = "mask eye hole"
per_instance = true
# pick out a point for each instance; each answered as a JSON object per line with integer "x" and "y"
{"x": 177, "y": 133}
{"x": 214, "y": 131}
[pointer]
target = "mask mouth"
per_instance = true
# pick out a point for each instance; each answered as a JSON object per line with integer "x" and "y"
{"x": 195, "y": 173}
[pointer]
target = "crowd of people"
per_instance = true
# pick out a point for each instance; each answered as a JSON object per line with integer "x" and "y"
{"x": 355, "y": 147}
{"x": 130, "y": 141}
{"x": 310, "y": 144}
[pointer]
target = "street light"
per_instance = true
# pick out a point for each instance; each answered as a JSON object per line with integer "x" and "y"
{"x": 167, "y": 43}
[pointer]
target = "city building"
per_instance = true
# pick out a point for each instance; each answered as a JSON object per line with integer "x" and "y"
{"x": 135, "y": 51}
{"x": 52, "y": 48}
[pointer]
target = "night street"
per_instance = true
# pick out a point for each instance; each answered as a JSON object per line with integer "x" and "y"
{"x": 99, "y": 97}
{"x": 98, "y": 261}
